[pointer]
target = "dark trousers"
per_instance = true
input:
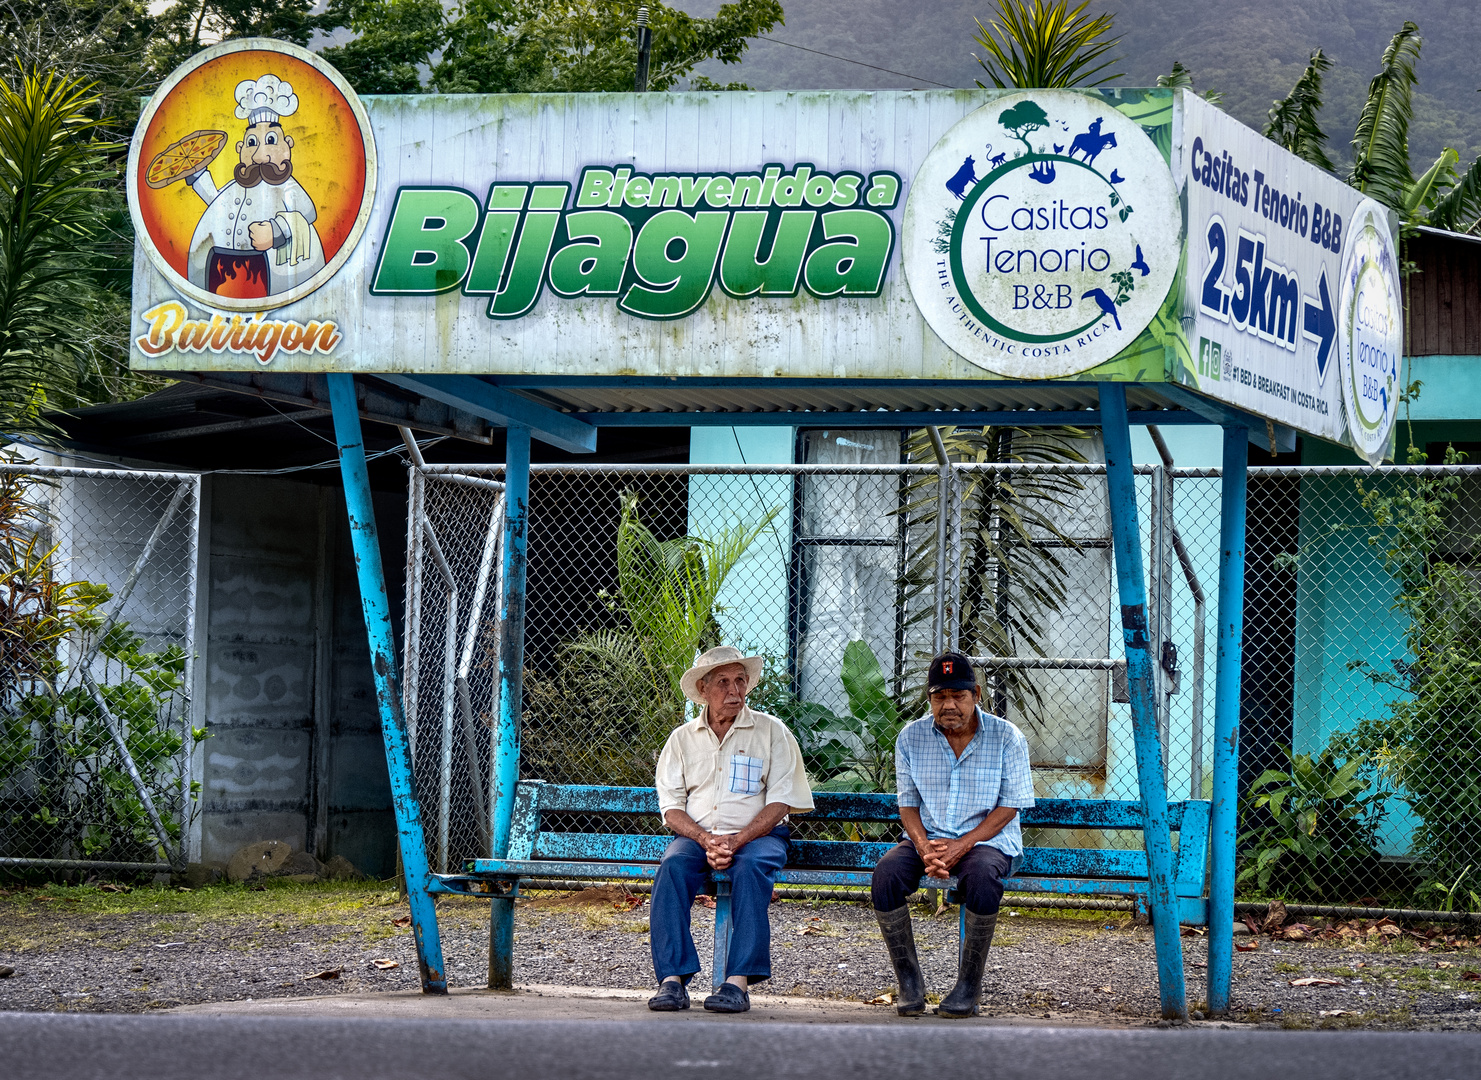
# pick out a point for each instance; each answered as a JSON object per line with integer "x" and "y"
{"x": 682, "y": 874}
{"x": 979, "y": 877}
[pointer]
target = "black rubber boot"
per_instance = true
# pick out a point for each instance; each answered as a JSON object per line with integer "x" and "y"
{"x": 900, "y": 939}
{"x": 976, "y": 940}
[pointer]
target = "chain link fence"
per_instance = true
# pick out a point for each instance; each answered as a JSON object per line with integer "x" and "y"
{"x": 1361, "y": 709}
{"x": 97, "y": 627}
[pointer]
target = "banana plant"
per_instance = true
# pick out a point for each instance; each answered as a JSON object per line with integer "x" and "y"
{"x": 669, "y": 588}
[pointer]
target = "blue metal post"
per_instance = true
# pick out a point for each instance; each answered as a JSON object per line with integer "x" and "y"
{"x": 1126, "y": 541}
{"x": 377, "y": 608}
{"x": 1226, "y": 718}
{"x": 511, "y": 689}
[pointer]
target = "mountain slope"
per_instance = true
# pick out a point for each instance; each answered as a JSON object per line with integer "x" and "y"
{"x": 1250, "y": 50}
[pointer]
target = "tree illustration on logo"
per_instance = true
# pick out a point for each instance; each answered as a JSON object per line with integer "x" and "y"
{"x": 1023, "y": 118}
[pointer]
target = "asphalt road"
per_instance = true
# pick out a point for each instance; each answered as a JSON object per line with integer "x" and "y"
{"x": 81, "y": 1047}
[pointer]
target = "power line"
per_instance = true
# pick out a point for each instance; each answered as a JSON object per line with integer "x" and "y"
{"x": 860, "y": 63}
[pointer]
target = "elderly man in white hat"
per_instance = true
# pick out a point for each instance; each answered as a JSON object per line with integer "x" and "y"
{"x": 257, "y": 234}
{"x": 726, "y": 782}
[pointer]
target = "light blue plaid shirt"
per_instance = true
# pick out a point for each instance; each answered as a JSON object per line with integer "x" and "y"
{"x": 955, "y": 793}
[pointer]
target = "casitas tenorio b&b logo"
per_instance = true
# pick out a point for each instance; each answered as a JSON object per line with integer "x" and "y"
{"x": 251, "y": 177}
{"x": 1042, "y": 234}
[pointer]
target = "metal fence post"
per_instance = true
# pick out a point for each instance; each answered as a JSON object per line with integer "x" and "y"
{"x": 943, "y": 538}
{"x": 1226, "y": 718}
{"x": 377, "y": 609}
{"x": 511, "y": 689}
{"x": 1126, "y": 541}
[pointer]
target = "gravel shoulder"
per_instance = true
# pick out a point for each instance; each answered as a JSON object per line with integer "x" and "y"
{"x": 83, "y": 949}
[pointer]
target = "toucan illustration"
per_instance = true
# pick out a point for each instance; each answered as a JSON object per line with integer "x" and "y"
{"x": 1106, "y": 303}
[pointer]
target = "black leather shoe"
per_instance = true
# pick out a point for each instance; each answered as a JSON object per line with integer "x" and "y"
{"x": 671, "y": 997}
{"x": 728, "y": 999}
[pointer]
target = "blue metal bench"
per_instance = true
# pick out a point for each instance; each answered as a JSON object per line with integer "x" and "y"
{"x": 539, "y": 850}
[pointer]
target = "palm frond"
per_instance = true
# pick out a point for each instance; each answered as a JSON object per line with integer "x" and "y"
{"x": 1429, "y": 184}
{"x": 1032, "y": 44}
{"x": 53, "y": 169}
{"x": 1293, "y": 122}
{"x": 1459, "y": 208}
{"x": 1380, "y": 159}
{"x": 1014, "y": 545}
{"x": 669, "y": 588}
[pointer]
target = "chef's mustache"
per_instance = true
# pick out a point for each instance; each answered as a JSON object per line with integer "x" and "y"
{"x": 252, "y": 175}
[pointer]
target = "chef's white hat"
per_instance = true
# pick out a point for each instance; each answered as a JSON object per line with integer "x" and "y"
{"x": 265, "y": 98}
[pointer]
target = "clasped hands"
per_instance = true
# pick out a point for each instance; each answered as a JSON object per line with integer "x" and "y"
{"x": 941, "y": 855}
{"x": 720, "y": 850}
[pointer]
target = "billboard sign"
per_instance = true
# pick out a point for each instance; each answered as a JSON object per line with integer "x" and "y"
{"x": 1291, "y": 286}
{"x": 1137, "y": 235}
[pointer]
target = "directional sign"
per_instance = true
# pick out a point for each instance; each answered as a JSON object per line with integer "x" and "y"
{"x": 1272, "y": 241}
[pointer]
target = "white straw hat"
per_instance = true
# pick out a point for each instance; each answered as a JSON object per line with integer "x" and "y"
{"x": 719, "y": 657}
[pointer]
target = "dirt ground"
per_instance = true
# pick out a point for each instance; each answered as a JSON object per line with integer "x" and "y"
{"x": 87, "y": 949}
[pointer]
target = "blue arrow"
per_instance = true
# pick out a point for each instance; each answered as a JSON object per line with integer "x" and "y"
{"x": 1321, "y": 324}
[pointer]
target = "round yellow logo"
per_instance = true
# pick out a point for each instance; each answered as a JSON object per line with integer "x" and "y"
{"x": 251, "y": 175}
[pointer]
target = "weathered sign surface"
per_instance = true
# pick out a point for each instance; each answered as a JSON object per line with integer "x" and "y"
{"x": 1292, "y": 286}
{"x": 1121, "y": 234}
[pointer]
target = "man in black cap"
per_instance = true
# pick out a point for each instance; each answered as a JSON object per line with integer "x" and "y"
{"x": 963, "y": 775}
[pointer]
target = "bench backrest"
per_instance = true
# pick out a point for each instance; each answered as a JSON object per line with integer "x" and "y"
{"x": 533, "y": 838}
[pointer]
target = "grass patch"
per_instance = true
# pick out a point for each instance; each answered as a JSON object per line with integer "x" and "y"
{"x": 53, "y": 915}
{"x": 1284, "y": 968}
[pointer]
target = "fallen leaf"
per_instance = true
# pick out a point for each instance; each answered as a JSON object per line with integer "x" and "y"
{"x": 1361, "y": 964}
{"x": 1390, "y": 931}
{"x": 1275, "y": 917}
{"x": 1252, "y": 924}
{"x": 1443, "y": 964}
{"x": 1471, "y": 976}
{"x": 110, "y": 886}
{"x": 883, "y": 999}
{"x": 1105, "y": 989}
{"x": 6, "y": 971}
{"x": 386, "y": 964}
{"x": 706, "y": 901}
{"x": 169, "y": 944}
{"x": 1335, "y": 1012}
{"x": 1251, "y": 947}
{"x": 1194, "y": 931}
{"x": 327, "y": 973}
{"x": 401, "y": 920}
{"x": 1314, "y": 982}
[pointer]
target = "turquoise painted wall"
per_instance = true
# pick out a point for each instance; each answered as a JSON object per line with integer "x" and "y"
{"x": 753, "y": 604}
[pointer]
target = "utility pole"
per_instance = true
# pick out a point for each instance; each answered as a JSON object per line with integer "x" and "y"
{"x": 645, "y": 51}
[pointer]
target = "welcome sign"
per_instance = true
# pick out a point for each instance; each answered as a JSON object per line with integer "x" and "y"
{"x": 285, "y": 224}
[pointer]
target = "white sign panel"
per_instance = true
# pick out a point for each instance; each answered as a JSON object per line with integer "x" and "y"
{"x": 1291, "y": 285}
{"x": 1041, "y": 234}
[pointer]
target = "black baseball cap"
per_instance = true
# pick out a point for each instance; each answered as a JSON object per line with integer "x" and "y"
{"x": 951, "y": 671}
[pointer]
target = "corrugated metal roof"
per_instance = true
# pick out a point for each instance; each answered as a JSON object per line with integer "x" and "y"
{"x": 761, "y": 395}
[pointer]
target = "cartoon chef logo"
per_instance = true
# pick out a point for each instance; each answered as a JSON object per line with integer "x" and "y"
{"x": 251, "y": 174}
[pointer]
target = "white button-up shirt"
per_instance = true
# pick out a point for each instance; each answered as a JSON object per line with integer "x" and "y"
{"x": 724, "y": 783}
{"x": 232, "y": 209}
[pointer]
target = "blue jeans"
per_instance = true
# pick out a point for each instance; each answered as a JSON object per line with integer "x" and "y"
{"x": 682, "y": 874}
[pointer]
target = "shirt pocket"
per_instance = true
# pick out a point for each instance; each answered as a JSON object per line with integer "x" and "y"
{"x": 745, "y": 774}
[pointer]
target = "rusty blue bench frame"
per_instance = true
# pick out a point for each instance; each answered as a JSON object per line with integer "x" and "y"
{"x": 538, "y": 850}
